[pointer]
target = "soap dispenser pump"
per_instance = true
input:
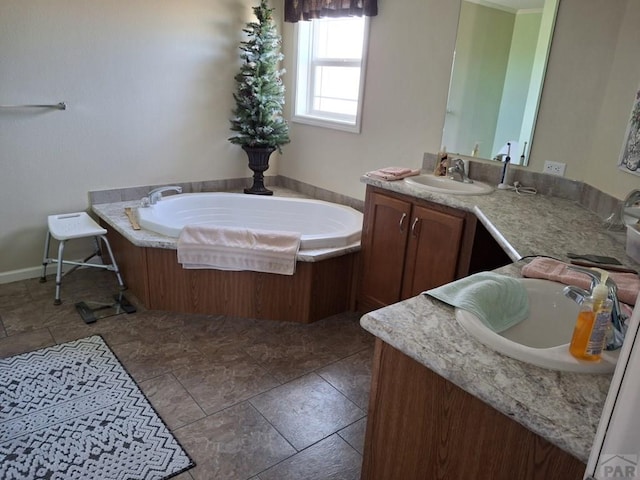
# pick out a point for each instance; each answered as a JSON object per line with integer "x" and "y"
{"x": 593, "y": 322}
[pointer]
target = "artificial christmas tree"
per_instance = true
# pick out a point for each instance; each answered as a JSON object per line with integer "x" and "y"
{"x": 259, "y": 97}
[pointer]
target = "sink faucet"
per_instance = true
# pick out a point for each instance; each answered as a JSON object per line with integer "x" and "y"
{"x": 457, "y": 169}
{"x": 618, "y": 318}
{"x": 617, "y": 220}
{"x": 156, "y": 193}
{"x": 576, "y": 294}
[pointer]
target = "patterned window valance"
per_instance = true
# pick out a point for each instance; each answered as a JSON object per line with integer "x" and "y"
{"x": 296, "y": 10}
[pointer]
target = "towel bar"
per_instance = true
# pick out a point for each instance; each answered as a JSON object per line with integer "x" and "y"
{"x": 57, "y": 106}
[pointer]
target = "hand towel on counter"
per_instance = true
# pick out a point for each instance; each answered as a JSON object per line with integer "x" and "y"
{"x": 557, "y": 271}
{"x": 499, "y": 301}
{"x": 236, "y": 248}
{"x": 392, "y": 173}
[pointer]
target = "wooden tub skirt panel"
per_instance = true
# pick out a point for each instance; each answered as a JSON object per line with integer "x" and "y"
{"x": 316, "y": 290}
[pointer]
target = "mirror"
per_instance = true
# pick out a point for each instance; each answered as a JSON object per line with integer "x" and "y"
{"x": 497, "y": 76}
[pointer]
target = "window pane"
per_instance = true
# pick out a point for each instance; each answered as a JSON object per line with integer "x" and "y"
{"x": 332, "y": 105}
{"x": 336, "y": 89}
{"x": 337, "y": 82}
{"x": 329, "y": 76}
{"x": 339, "y": 38}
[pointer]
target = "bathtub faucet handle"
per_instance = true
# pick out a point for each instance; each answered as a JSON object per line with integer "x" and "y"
{"x": 156, "y": 193}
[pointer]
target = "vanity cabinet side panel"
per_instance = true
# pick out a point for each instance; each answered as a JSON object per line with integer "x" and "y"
{"x": 422, "y": 426}
{"x": 384, "y": 238}
{"x": 432, "y": 254}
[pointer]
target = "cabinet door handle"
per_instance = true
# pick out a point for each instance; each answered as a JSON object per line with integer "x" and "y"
{"x": 401, "y": 224}
{"x": 413, "y": 226}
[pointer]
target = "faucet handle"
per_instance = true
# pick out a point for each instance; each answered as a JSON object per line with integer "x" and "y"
{"x": 458, "y": 163}
{"x": 594, "y": 275}
{"x": 458, "y": 166}
{"x": 576, "y": 294}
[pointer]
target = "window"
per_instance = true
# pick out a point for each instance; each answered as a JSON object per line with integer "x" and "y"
{"x": 330, "y": 72}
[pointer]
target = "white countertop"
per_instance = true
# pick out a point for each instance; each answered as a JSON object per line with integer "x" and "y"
{"x": 562, "y": 407}
{"x": 526, "y": 225}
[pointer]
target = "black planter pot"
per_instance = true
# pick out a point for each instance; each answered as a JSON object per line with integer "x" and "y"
{"x": 259, "y": 163}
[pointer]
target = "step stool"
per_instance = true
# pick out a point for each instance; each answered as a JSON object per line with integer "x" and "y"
{"x": 70, "y": 226}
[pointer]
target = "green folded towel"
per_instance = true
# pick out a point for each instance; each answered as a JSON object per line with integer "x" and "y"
{"x": 499, "y": 301}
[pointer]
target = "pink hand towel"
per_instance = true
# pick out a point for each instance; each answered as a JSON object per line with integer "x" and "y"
{"x": 390, "y": 174}
{"x": 395, "y": 170}
{"x": 550, "y": 269}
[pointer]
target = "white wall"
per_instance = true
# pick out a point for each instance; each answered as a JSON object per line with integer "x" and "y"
{"x": 409, "y": 64}
{"x": 592, "y": 77}
{"x": 148, "y": 85}
{"x": 615, "y": 109}
{"x": 591, "y": 80}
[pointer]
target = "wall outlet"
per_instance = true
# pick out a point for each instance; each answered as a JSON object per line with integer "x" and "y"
{"x": 554, "y": 168}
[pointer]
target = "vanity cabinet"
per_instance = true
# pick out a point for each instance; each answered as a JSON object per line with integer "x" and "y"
{"x": 410, "y": 245}
{"x": 421, "y": 426}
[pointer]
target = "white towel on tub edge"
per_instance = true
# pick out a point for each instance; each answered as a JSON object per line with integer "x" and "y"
{"x": 238, "y": 248}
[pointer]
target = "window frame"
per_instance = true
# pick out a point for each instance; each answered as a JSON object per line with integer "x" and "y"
{"x": 303, "y": 111}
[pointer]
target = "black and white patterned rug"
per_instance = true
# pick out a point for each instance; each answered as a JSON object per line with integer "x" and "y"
{"x": 71, "y": 411}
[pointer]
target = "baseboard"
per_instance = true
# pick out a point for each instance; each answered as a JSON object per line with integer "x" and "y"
{"x": 36, "y": 272}
{"x": 22, "y": 274}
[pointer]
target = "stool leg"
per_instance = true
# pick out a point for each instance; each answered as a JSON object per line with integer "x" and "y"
{"x": 97, "y": 249}
{"x": 45, "y": 258}
{"x": 113, "y": 262}
{"x": 57, "y": 300}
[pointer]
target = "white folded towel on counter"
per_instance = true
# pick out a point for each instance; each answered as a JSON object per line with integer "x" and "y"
{"x": 237, "y": 248}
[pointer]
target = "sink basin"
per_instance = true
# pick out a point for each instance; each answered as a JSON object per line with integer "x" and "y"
{"x": 543, "y": 338}
{"x": 446, "y": 185}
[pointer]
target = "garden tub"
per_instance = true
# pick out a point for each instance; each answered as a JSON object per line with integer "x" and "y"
{"x": 322, "y": 285}
{"x": 322, "y": 224}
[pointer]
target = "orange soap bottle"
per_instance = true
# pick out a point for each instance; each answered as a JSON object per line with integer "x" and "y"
{"x": 589, "y": 334}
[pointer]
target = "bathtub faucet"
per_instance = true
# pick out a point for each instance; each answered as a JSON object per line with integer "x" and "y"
{"x": 156, "y": 193}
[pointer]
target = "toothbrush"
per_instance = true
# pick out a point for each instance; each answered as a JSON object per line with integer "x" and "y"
{"x": 522, "y": 157}
{"x": 503, "y": 175}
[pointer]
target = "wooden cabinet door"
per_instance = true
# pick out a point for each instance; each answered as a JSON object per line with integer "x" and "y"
{"x": 384, "y": 239}
{"x": 421, "y": 426}
{"x": 432, "y": 252}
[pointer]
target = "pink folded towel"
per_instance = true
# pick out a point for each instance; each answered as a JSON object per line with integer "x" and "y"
{"x": 390, "y": 174}
{"x": 395, "y": 170}
{"x": 550, "y": 269}
{"x": 234, "y": 248}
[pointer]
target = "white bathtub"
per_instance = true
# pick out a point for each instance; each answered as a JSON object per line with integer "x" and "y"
{"x": 322, "y": 224}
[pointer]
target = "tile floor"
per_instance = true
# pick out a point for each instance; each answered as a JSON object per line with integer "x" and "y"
{"x": 247, "y": 399}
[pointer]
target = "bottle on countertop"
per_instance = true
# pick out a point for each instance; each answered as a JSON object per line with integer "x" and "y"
{"x": 593, "y": 322}
{"x": 442, "y": 163}
{"x": 476, "y": 149}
